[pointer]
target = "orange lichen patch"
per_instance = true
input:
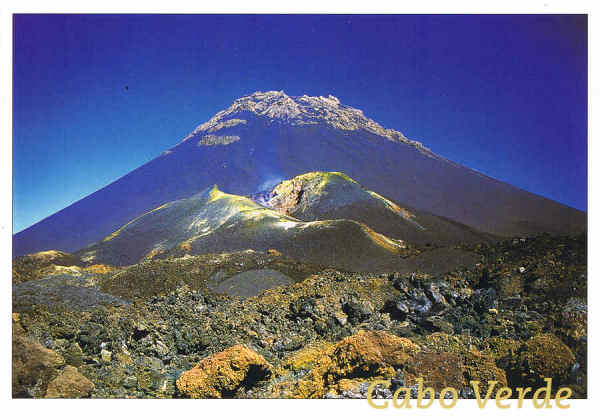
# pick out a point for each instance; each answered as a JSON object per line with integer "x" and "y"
{"x": 446, "y": 359}
{"x": 455, "y": 358}
{"x": 100, "y": 269}
{"x": 116, "y": 233}
{"x": 439, "y": 370}
{"x": 70, "y": 384}
{"x": 364, "y": 355}
{"x": 546, "y": 356}
{"x": 223, "y": 373}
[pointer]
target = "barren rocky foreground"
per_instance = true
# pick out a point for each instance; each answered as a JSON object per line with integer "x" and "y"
{"x": 163, "y": 328}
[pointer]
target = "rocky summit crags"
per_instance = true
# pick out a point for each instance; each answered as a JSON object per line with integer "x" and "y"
{"x": 298, "y": 111}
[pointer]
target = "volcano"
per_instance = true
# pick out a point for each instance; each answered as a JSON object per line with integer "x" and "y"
{"x": 267, "y": 137}
{"x": 331, "y": 226}
{"x": 215, "y": 222}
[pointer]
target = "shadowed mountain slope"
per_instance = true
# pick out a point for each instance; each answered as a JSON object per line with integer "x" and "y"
{"x": 264, "y": 138}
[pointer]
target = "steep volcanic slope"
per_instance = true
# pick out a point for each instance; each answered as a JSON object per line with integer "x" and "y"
{"x": 333, "y": 195}
{"x": 266, "y": 137}
{"x": 214, "y": 222}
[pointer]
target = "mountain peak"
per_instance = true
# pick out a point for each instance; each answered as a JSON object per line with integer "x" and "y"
{"x": 277, "y": 107}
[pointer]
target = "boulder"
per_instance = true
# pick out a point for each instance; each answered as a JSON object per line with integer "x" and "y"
{"x": 364, "y": 355}
{"x": 33, "y": 366}
{"x": 224, "y": 373}
{"x": 70, "y": 384}
{"x": 546, "y": 356}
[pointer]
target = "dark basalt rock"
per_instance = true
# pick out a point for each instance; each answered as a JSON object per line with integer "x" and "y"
{"x": 484, "y": 300}
{"x": 357, "y": 312}
{"x": 303, "y": 308}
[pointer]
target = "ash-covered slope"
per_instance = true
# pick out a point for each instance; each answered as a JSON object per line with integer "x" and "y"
{"x": 215, "y": 222}
{"x": 264, "y": 138}
{"x": 333, "y": 195}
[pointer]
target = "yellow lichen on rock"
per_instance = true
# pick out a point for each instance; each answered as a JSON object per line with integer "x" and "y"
{"x": 371, "y": 353}
{"x": 481, "y": 367}
{"x": 547, "y": 356}
{"x": 452, "y": 361}
{"x": 307, "y": 357}
{"x": 443, "y": 342}
{"x": 438, "y": 370}
{"x": 366, "y": 354}
{"x": 501, "y": 347}
{"x": 223, "y": 373}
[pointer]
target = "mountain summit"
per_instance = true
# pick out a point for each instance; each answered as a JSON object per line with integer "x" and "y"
{"x": 264, "y": 138}
{"x": 276, "y": 106}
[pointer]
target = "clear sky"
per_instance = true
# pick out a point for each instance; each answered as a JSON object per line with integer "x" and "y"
{"x": 96, "y": 96}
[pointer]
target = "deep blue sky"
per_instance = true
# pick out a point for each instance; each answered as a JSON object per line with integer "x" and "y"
{"x": 506, "y": 95}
